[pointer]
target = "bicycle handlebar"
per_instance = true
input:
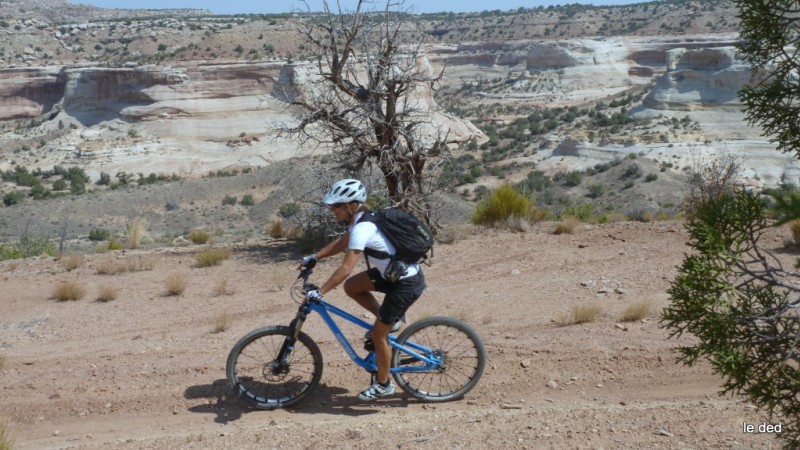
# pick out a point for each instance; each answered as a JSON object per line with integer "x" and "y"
{"x": 305, "y": 273}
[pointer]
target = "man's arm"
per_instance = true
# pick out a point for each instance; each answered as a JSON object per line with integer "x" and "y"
{"x": 334, "y": 247}
{"x": 343, "y": 271}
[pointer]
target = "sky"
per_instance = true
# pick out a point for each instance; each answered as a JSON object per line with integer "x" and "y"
{"x": 283, "y": 6}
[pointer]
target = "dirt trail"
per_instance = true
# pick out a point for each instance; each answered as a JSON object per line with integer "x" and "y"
{"x": 147, "y": 370}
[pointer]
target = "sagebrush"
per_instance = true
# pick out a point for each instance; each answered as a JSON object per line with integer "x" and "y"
{"x": 505, "y": 202}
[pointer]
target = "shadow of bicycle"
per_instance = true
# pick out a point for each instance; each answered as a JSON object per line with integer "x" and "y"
{"x": 227, "y": 407}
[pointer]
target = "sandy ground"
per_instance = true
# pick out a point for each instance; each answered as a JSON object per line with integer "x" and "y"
{"x": 147, "y": 370}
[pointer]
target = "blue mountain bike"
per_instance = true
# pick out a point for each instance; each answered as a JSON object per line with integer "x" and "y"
{"x": 435, "y": 359}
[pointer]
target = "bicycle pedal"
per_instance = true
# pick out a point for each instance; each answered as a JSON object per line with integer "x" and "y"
{"x": 369, "y": 345}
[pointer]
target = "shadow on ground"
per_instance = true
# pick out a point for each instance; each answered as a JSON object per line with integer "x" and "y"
{"x": 224, "y": 404}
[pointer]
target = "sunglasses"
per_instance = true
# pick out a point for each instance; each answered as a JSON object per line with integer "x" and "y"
{"x": 338, "y": 205}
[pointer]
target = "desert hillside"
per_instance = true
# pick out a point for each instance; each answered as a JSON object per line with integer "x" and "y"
{"x": 617, "y": 105}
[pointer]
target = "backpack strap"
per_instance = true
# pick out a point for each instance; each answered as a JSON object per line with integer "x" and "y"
{"x": 371, "y": 216}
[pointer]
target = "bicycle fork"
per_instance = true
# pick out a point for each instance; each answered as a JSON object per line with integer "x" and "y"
{"x": 281, "y": 363}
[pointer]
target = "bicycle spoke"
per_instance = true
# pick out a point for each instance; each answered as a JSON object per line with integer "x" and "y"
{"x": 257, "y": 374}
{"x": 458, "y": 348}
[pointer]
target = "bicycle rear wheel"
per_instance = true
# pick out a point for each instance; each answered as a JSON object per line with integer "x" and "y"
{"x": 261, "y": 376}
{"x": 459, "y": 347}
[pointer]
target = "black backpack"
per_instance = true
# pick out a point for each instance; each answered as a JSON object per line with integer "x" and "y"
{"x": 411, "y": 237}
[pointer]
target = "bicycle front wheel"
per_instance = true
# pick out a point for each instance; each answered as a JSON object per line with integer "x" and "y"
{"x": 460, "y": 349}
{"x": 268, "y": 373}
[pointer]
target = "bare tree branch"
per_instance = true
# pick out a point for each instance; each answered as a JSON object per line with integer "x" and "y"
{"x": 362, "y": 99}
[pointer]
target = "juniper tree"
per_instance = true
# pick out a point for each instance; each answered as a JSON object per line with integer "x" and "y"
{"x": 737, "y": 298}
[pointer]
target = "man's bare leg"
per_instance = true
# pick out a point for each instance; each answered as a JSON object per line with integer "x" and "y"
{"x": 359, "y": 287}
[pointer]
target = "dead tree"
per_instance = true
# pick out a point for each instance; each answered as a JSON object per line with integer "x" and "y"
{"x": 363, "y": 99}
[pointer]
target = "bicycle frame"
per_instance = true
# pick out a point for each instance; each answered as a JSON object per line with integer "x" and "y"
{"x": 418, "y": 352}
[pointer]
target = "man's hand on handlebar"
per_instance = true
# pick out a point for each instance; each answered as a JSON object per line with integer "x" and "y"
{"x": 308, "y": 261}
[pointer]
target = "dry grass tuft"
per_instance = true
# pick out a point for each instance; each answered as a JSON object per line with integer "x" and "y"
{"x": 6, "y": 439}
{"x": 275, "y": 229}
{"x": 637, "y": 311}
{"x": 536, "y": 214}
{"x": 176, "y": 283}
{"x": 567, "y": 226}
{"x": 213, "y": 257}
{"x": 278, "y": 279}
{"x": 222, "y": 322}
{"x": 73, "y": 261}
{"x": 106, "y": 294}
{"x": 69, "y": 290}
{"x": 223, "y": 288}
{"x": 199, "y": 237}
{"x": 518, "y": 224}
{"x": 449, "y": 235}
{"x": 585, "y": 313}
{"x": 463, "y": 315}
{"x": 133, "y": 264}
{"x": 140, "y": 263}
{"x": 136, "y": 231}
{"x": 795, "y": 227}
{"x": 109, "y": 268}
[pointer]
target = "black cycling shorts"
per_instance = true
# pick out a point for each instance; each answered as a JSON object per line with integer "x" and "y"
{"x": 399, "y": 295}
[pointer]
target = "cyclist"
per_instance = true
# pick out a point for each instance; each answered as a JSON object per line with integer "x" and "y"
{"x": 346, "y": 199}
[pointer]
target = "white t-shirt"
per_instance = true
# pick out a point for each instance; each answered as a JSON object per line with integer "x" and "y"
{"x": 367, "y": 235}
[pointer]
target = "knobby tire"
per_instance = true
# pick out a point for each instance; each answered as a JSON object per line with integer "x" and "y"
{"x": 461, "y": 349}
{"x": 257, "y": 378}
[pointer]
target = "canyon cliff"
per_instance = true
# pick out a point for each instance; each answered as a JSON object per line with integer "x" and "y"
{"x": 190, "y": 115}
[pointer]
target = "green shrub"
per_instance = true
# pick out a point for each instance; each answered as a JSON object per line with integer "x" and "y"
{"x": 290, "y": 209}
{"x": 573, "y": 178}
{"x": 536, "y": 181}
{"x": 199, "y": 237}
{"x": 60, "y": 185}
{"x": 229, "y": 200}
{"x": 114, "y": 244}
{"x": 99, "y": 234}
{"x": 596, "y": 190}
{"x": 39, "y": 192}
{"x": 632, "y": 171}
{"x": 247, "y": 200}
{"x": 503, "y": 203}
{"x": 77, "y": 184}
{"x": 581, "y": 212}
{"x": 13, "y": 198}
{"x": 27, "y": 247}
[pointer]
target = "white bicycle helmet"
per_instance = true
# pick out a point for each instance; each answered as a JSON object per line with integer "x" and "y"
{"x": 346, "y": 191}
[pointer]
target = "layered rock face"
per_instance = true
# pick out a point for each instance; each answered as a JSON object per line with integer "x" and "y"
{"x": 580, "y": 70}
{"x": 201, "y": 116}
{"x": 700, "y": 79}
{"x": 29, "y": 92}
{"x": 695, "y": 77}
{"x": 197, "y": 117}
